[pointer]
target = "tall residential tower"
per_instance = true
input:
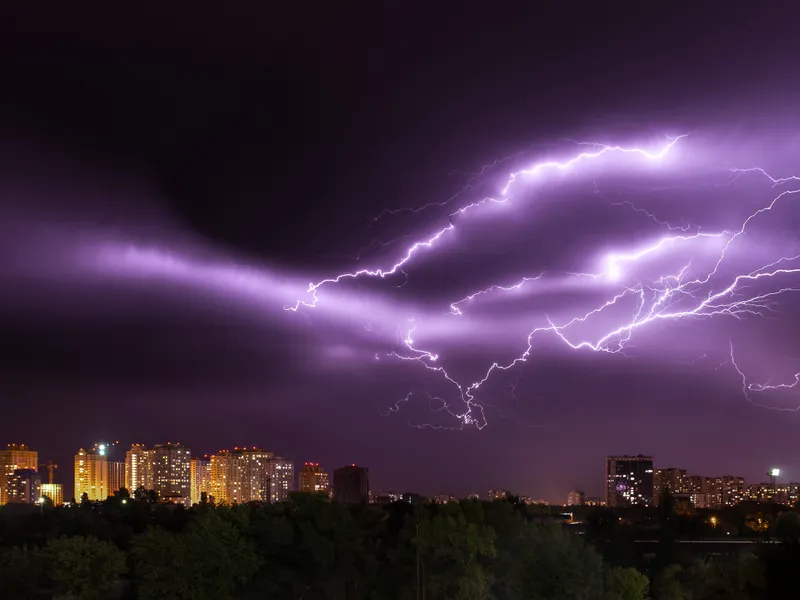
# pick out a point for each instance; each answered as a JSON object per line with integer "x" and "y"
{"x": 629, "y": 480}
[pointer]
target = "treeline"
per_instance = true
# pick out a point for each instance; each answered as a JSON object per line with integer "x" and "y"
{"x": 312, "y": 549}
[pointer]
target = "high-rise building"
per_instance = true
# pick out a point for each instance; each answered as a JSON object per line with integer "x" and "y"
{"x": 13, "y": 457}
{"x": 91, "y": 474}
{"x": 629, "y": 480}
{"x": 139, "y": 465}
{"x": 576, "y": 498}
{"x": 351, "y": 485}
{"x": 698, "y": 489}
{"x": 672, "y": 480}
{"x": 171, "y": 473}
{"x": 313, "y": 479}
{"x": 54, "y": 491}
{"x": 23, "y": 486}
{"x": 241, "y": 475}
{"x": 200, "y": 480}
{"x": 116, "y": 477}
{"x": 281, "y": 479}
{"x": 220, "y": 471}
{"x": 727, "y": 490}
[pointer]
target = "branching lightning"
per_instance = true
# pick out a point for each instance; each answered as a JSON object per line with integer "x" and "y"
{"x": 678, "y": 295}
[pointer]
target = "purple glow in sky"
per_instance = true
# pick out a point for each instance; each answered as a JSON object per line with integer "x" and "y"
{"x": 684, "y": 277}
{"x": 449, "y": 246}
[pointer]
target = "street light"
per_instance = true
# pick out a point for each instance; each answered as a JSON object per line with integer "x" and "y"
{"x": 773, "y": 477}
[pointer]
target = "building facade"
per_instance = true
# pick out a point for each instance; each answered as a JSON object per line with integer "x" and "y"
{"x": 313, "y": 479}
{"x": 200, "y": 480}
{"x": 351, "y": 485}
{"x": 91, "y": 474}
{"x": 116, "y": 477}
{"x": 698, "y": 491}
{"x": 629, "y": 480}
{"x": 139, "y": 465}
{"x": 13, "y": 457}
{"x": 54, "y": 491}
{"x": 281, "y": 479}
{"x": 23, "y": 486}
{"x": 241, "y": 475}
{"x": 576, "y": 498}
{"x": 671, "y": 480}
{"x": 172, "y": 473}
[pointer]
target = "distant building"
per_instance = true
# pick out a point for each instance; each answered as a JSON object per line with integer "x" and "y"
{"x": 594, "y": 501}
{"x": 91, "y": 474}
{"x": 576, "y": 498}
{"x": 629, "y": 480}
{"x": 54, "y": 491}
{"x": 241, "y": 475}
{"x": 13, "y": 457}
{"x": 767, "y": 493}
{"x": 444, "y": 498}
{"x": 200, "y": 476}
{"x": 223, "y": 474}
{"x": 386, "y": 497}
{"x": 313, "y": 479}
{"x": 720, "y": 492}
{"x": 351, "y": 485}
{"x": 139, "y": 465}
{"x": 281, "y": 473}
{"x": 412, "y": 498}
{"x": 171, "y": 471}
{"x": 497, "y": 495}
{"x": 23, "y": 486}
{"x": 116, "y": 477}
{"x": 697, "y": 487}
{"x": 672, "y": 480}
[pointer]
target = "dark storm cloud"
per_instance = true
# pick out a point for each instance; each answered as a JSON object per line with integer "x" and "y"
{"x": 200, "y": 176}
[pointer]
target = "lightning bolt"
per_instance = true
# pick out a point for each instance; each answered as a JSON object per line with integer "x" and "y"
{"x": 671, "y": 297}
{"x": 470, "y": 182}
{"x": 430, "y": 241}
{"x": 757, "y": 387}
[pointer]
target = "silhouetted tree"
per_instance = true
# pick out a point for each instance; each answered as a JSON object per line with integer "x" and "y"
{"x": 20, "y": 574}
{"x": 625, "y": 584}
{"x": 210, "y": 561}
{"x": 551, "y": 564}
{"x": 82, "y": 568}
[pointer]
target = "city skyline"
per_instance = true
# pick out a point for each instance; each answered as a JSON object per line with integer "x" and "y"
{"x": 112, "y": 452}
{"x": 449, "y": 247}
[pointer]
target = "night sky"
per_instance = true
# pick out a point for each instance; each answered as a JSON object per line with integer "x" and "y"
{"x": 171, "y": 183}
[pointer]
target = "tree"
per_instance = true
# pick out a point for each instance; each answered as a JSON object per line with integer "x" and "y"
{"x": 787, "y": 528}
{"x": 85, "y": 498}
{"x": 669, "y": 584}
{"x": 728, "y": 577}
{"x": 210, "y": 561}
{"x": 549, "y": 563}
{"x": 668, "y": 528}
{"x": 451, "y": 550}
{"x": 146, "y": 496}
{"x": 20, "y": 574}
{"x": 625, "y": 584}
{"x": 84, "y": 568}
